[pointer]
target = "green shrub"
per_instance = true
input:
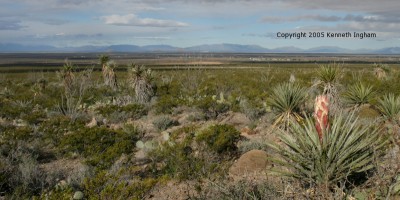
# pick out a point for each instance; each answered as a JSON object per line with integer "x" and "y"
{"x": 220, "y": 138}
{"x": 134, "y": 111}
{"x": 164, "y": 122}
{"x": 347, "y": 149}
{"x": 211, "y": 107}
{"x": 165, "y": 104}
{"x": 54, "y": 128}
{"x": 100, "y": 146}
{"x": 180, "y": 159}
{"x": 116, "y": 186}
{"x": 243, "y": 190}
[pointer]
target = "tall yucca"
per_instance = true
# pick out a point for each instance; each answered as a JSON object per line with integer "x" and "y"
{"x": 110, "y": 78}
{"x": 141, "y": 79}
{"x": 381, "y": 71}
{"x": 286, "y": 100}
{"x": 347, "y": 148}
{"x": 328, "y": 76}
{"x": 67, "y": 77}
{"x": 328, "y": 80}
{"x": 103, "y": 62}
{"x": 359, "y": 94}
{"x": 389, "y": 106}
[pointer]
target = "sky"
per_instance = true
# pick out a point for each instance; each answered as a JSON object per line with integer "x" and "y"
{"x": 185, "y": 23}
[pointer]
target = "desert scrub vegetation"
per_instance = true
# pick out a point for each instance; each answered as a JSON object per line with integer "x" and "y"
{"x": 221, "y": 138}
{"x": 79, "y": 133}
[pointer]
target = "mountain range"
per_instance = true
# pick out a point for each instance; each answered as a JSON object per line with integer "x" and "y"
{"x": 211, "y": 48}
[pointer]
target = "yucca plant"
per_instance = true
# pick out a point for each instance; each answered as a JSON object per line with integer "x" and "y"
{"x": 328, "y": 80}
{"x": 286, "y": 100}
{"x": 389, "y": 106}
{"x": 110, "y": 78}
{"x": 67, "y": 76}
{"x": 328, "y": 76}
{"x": 359, "y": 94}
{"x": 103, "y": 62}
{"x": 141, "y": 80}
{"x": 381, "y": 71}
{"x": 347, "y": 148}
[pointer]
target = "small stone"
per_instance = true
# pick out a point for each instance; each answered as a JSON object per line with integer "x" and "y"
{"x": 92, "y": 123}
{"x": 78, "y": 195}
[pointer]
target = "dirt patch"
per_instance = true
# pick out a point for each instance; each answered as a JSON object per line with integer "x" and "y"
{"x": 173, "y": 190}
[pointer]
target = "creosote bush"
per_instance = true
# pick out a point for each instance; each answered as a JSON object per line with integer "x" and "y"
{"x": 163, "y": 122}
{"x": 220, "y": 138}
{"x": 100, "y": 146}
{"x": 182, "y": 159}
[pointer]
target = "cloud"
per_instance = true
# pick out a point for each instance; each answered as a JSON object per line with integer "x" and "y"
{"x": 276, "y": 19}
{"x": 266, "y": 35}
{"x": 153, "y": 38}
{"x": 133, "y": 20}
{"x": 332, "y": 18}
{"x": 10, "y": 25}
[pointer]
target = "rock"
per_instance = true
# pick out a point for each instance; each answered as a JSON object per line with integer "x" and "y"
{"x": 246, "y": 132}
{"x": 92, "y": 123}
{"x": 239, "y": 120}
{"x": 78, "y": 195}
{"x": 253, "y": 164}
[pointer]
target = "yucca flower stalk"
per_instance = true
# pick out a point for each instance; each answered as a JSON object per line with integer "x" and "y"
{"x": 321, "y": 115}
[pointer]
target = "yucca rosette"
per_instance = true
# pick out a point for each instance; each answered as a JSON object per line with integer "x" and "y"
{"x": 321, "y": 111}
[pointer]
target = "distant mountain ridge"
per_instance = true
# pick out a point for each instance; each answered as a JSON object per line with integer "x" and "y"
{"x": 212, "y": 48}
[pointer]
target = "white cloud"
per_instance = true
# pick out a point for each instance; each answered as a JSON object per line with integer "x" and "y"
{"x": 133, "y": 20}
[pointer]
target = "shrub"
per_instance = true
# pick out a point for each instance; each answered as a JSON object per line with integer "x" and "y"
{"x": 248, "y": 145}
{"x": 220, "y": 138}
{"x": 181, "y": 159}
{"x": 347, "y": 149}
{"x": 166, "y": 103}
{"x": 134, "y": 111}
{"x": 116, "y": 186}
{"x": 243, "y": 190}
{"x": 100, "y": 146}
{"x": 211, "y": 107}
{"x": 164, "y": 122}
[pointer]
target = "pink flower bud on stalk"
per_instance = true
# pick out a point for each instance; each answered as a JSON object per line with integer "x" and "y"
{"x": 321, "y": 112}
